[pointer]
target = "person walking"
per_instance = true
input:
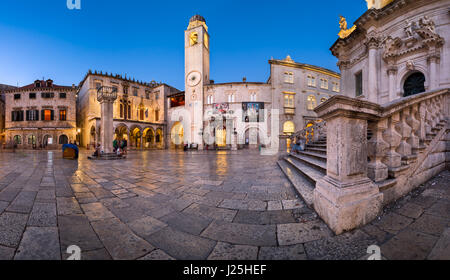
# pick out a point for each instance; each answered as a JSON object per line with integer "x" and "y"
{"x": 115, "y": 145}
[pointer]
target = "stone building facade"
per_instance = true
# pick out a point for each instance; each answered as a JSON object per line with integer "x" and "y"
{"x": 139, "y": 111}
{"x": 239, "y": 114}
{"x": 398, "y": 48}
{"x": 2, "y": 112}
{"x": 41, "y": 115}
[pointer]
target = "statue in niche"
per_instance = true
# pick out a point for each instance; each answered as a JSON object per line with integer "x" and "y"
{"x": 409, "y": 28}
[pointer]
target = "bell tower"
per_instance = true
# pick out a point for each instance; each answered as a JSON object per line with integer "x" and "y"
{"x": 196, "y": 42}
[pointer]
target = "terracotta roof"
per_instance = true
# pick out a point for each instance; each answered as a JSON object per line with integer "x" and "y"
{"x": 42, "y": 87}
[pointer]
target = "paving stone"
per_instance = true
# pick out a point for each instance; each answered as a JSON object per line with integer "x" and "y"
{"x": 46, "y": 196}
{"x": 441, "y": 250}
{"x": 188, "y": 223}
{"x": 43, "y": 215}
{"x": 290, "y": 234}
{"x": 211, "y": 212}
{"x": 129, "y": 214}
{"x": 440, "y": 208}
{"x": 292, "y": 204}
{"x": 293, "y": 252}
{"x": 3, "y": 206}
{"x": 68, "y": 206}
{"x": 226, "y": 251}
{"x": 9, "y": 194}
{"x": 274, "y": 205}
{"x": 181, "y": 245}
{"x": 264, "y": 217}
{"x": 76, "y": 230}
{"x": 39, "y": 243}
{"x": 245, "y": 234}
{"x": 393, "y": 223}
{"x": 123, "y": 244}
{"x": 146, "y": 226}
{"x": 157, "y": 255}
{"x": 408, "y": 245}
{"x": 86, "y": 197}
{"x": 424, "y": 201}
{"x": 23, "y": 203}
{"x": 411, "y": 210}
{"x": 6, "y": 253}
{"x": 243, "y": 204}
{"x": 376, "y": 233}
{"x": 96, "y": 211}
{"x": 95, "y": 255}
{"x": 79, "y": 188}
{"x": 348, "y": 246}
{"x": 63, "y": 191}
{"x": 430, "y": 224}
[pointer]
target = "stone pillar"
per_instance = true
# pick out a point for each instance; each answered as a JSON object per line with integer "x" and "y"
{"x": 392, "y": 72}
{"x": 372, "y": 85}
{"x": 346, "y": 198}
{"x": 283, "y": 144}
{"x": 433, "y": 62}
{"x": 107, "y": 132}
{"x": 106, "y": 96}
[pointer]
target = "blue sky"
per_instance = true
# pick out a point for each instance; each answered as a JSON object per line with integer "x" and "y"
{"x": 144, "y": 39}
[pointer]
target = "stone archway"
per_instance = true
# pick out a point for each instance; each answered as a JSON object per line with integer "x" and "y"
{"x": 136, "y": 137}
{"x": 149, "y": 138}
{"x": 414, "y": 84}
{"x": 159, "y": 138}
{"x": 177, "y": 135}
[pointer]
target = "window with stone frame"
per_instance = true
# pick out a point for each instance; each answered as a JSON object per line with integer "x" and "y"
{"x": 32, "y": 95}
{"x": 289, "y": 77}
{"x": 63, "y": 115}
{"x": 324, "y": 83}
{"x": 289, "y": 100}
{"x": 359, "y": 84}
{"x": 157, "y": 115}
{"x": 62, "y": 95}
{"x": 135, "y": 92}
{"x": 311, "y": 102}
{"x": 17, "y": 116}
{"x": 32, "y": 115}
{"x": 47, "y": 115}
{"x": 17, "y": 96}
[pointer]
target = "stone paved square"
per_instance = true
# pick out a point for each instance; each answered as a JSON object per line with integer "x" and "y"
{"x": 232, "y": 211}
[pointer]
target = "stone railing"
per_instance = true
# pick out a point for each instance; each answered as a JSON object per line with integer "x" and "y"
{"x": 359, "y": 171}
{"x": 311, "y": 133}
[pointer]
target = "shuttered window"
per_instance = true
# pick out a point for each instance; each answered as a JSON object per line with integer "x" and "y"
{"x": 47, "y": 115}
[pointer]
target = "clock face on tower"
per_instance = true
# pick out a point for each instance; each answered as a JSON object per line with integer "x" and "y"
{"x": 193, "y": 78}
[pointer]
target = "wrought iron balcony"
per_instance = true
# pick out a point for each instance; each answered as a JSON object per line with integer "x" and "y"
{"x": 105, "y": 93}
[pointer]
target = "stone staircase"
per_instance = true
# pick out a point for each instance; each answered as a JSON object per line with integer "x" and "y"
{"x": 305, "y": 168}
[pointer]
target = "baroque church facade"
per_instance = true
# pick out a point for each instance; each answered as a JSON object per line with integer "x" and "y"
{"x": 236, "y": 115}
{"x": 395, "y": 49}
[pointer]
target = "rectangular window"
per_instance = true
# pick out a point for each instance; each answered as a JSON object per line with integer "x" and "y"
{"x": 147, "y": 95}
{"x": 98, "y": 85}
{"x": 17, "y": 116}
{"x": 32, "y": 115}
{"x": 16, "y": 96}
{"x": 135, "y": 92}
{"x": 125, "y": 90}
{"x": 359, "y": 84}
{"x": 156, "y": 115}
{"x": 47, "y": 115}
{"x": 62, "y": 95}
{"x": 47, "y": 94}
{"x": 289, "y": 77}
{"x": 63, "y": 115}
{"x": 32, "y": 95}
{"x": 289, "y": 100}
{"x": 157, "y": 95}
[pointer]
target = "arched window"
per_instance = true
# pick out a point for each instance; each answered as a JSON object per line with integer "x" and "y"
{"x": 31, "y": 140}
{"x": 63, "y": 139}
{"x": 157, "y": 115}
{"x": 288, "y": 128}
{"x": 311, "y": 101}
{"x": 121, "y": 110}
{"x": 414, "y": 84}
{"x": 17, "y": 139}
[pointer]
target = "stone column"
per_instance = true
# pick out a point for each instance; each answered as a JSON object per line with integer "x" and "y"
{"x": 106, "y": 96}
{"x": 392, "y": 72}
{"x": 346, "y": 198}
{"x": 372, "y": 85}
{"x": 433, "y": 61}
